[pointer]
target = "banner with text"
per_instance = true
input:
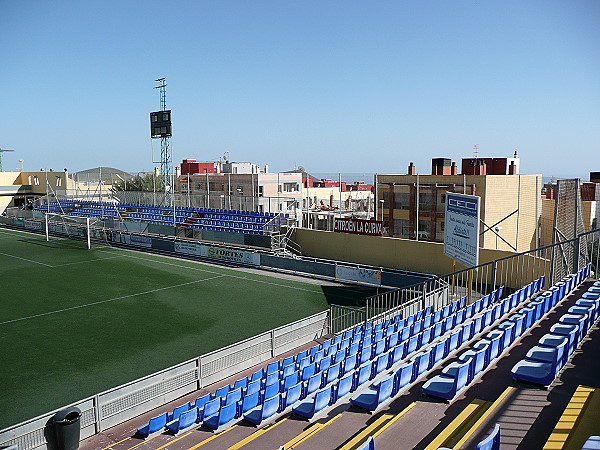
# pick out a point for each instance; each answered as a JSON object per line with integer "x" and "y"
{"x": 227, "y": 254}
{"x": 189, "y": 248}
{"x": 358, "y": 226}
{"x": 461, "y": 228}
{"x": 358, "y": 274}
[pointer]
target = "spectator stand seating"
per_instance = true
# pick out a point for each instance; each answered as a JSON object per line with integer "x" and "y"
{"x": 235, "y": 221}
{"x": 369, "y": 357}
{"x": 457, "y": 376}
{"x": 544, "y": 361}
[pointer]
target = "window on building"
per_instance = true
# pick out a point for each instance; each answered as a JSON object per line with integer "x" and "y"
{"x": 261, "y": 191}
{"x": 424, "y": 229}
{"x": 443, "y": 199}
{"x": 425, "y": 201}
{"x": 401, "y": 227}
{"x": 401, "y": 200}
{"x": 240, "y": 189}
{"x": 290, "y": 187}
{"x": 386, "y": 199}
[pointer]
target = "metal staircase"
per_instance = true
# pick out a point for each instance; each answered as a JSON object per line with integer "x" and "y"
{"x": 283, "y": 245}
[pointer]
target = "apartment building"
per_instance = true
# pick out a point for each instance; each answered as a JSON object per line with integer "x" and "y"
{"x": 412, "y": 205}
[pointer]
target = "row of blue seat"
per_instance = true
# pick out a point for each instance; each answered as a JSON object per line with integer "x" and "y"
{"x": 230, "y": 221}
{"x": 123, "y": 206}
{"x": 457, "y": 376}
{"x": 232, "y": 212}
{"x": 312, "y": 379}
{"x": 372, "y": 386}
{"x": 263, "y": 385}
{"x": 544, "y": 361}
{"x": 468, "y": 323}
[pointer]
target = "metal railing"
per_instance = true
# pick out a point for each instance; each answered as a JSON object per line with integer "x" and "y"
{"x": 117, "y": 405}
{"x": 512, "y": 272}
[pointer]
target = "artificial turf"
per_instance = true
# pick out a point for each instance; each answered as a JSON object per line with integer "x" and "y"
{"x": 75, "y": 322}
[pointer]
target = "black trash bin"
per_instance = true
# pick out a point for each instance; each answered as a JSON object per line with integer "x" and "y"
{"x": 66, "y": 428}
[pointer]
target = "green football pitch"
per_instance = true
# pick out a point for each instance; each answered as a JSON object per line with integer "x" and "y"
{"x": 75, "y": 322}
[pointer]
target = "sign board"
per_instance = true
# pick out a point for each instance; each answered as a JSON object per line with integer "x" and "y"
{"x": 227, "y": 254}
{"x": 358, "y": 226}
{"x": 461, "y": 228}
{"x": 189, "y": 248}
{"x": 358, "y": 274}
{"x": 33, "y": 224}
{"x": 160, "y": 124}
{"x": 139, "y": 241}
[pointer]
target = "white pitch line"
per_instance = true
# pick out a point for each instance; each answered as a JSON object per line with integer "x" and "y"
{"x": 25, "y": 259}
{"x": 108, "y": 300}
{"x": 225, "y": 275}
{"x": 86, "y": 261}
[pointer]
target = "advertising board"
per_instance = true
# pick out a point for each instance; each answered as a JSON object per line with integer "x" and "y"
{"x": 189, "y": 248}
{"x": 461, "y": 228}
{"x": 227, "y": 254}
{"x": 358, "y": 226}
{"x": 358, "y": 274}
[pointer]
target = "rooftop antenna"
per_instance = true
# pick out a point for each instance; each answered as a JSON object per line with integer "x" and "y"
{"x": 160, "y": 125}
{"x": 476, "y": 150}
{"x": 2, "y": 151}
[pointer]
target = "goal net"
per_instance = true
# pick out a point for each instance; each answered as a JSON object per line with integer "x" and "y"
{"x": 87, "y": 229}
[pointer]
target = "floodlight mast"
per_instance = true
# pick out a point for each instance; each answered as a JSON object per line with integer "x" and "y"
{"x": 165, "y": 149}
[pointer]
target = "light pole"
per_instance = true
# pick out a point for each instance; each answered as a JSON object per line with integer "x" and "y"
{"x": 497, "y": 230}
{"x": 240, "y": 197}
{"x": 21, "y": 161}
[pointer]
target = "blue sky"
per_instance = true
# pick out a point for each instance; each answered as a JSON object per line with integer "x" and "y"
{"x": 342, "y": 86}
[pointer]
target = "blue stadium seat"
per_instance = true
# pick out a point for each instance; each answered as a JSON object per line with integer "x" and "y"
{"x": 542, "y": 373}
{"x": 492, "y": 442}
{"x": 312, "y": 406}
{"x": 210, "y": 409}
{"x": 249, "y": 402}
{"x": 185, "y": 421}
{"x": 201, "y": 401}
{"x": 292, "y": 396}
{"x": 177, "y": 412}
{"x": 449, "y": 387}
{"x": 228, "y": 414}
{"x": 363, "y": 374}
{"x": 403, "y": 376}
{"x": 264, "y": 412}
{"x": 156, "y": 425}
{"x": 343, "y": 387}
{"x": 371, "y": 398}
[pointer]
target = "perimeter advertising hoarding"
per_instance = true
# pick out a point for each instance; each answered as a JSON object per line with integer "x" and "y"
{"x": 227, "y": 254}
{"x": 358, "y": 274}
{"x": 358, "y": 226}
{"x": 189, "y": 248}
{"x": 461, "y": 228}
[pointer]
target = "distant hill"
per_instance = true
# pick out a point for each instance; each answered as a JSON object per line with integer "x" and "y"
{"x": 108, "y": 174}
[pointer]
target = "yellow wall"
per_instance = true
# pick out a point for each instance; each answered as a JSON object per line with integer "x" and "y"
{"x": 500, "y": 195}
{"x": 8, "y": 178}
{"x": 505, "y": 194}
{"x": 404, "y": 254}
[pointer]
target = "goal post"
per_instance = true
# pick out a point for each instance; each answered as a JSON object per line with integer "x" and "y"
{"x": 87, "y": 229}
